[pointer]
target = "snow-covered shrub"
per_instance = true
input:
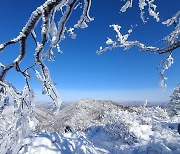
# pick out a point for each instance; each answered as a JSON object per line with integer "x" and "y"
{"x": 119, "y": 131}
{"x": 175, "y": 101}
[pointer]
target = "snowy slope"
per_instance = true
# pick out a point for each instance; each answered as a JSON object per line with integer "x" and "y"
{"x": 105, "y": 127}
{"x": 53, "y": 143}
{"x": 119, "y": 129}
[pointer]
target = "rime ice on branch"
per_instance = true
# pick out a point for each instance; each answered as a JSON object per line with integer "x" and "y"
{"x": 24, "y": 101}
{"x": 142, "y": 4}
{"x": 172, "y": 40}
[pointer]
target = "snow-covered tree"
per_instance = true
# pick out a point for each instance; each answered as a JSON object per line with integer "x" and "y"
{"x": 175, "y": 100}
{"x": 51, "y": 34}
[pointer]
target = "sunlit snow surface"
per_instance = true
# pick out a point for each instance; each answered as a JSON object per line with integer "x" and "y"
{"x": 103, "y": 127}
{"x": 65, "y": 143}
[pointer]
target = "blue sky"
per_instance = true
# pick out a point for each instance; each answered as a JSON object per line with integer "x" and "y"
{"x": 79, "y": 72}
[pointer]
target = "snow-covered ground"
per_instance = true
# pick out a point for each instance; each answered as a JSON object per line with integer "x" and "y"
{"x": 102, "y": 127}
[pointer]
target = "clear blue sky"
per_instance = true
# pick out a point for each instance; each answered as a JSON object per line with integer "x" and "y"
{"x": 79, "y": 72}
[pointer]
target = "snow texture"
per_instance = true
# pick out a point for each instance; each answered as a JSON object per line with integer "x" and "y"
{"x": 104, "y": 127}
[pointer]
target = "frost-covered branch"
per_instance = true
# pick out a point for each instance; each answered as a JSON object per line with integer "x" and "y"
{"x": 52, "y": 34}
{"x": 142, "y": 4}
{"x": 172, "y": 40}
{"x": 122, "y": 41}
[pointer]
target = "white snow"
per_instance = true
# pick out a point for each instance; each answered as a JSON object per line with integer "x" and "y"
{"x": 65, "y": 143}
{"x": 99, "y": 127}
